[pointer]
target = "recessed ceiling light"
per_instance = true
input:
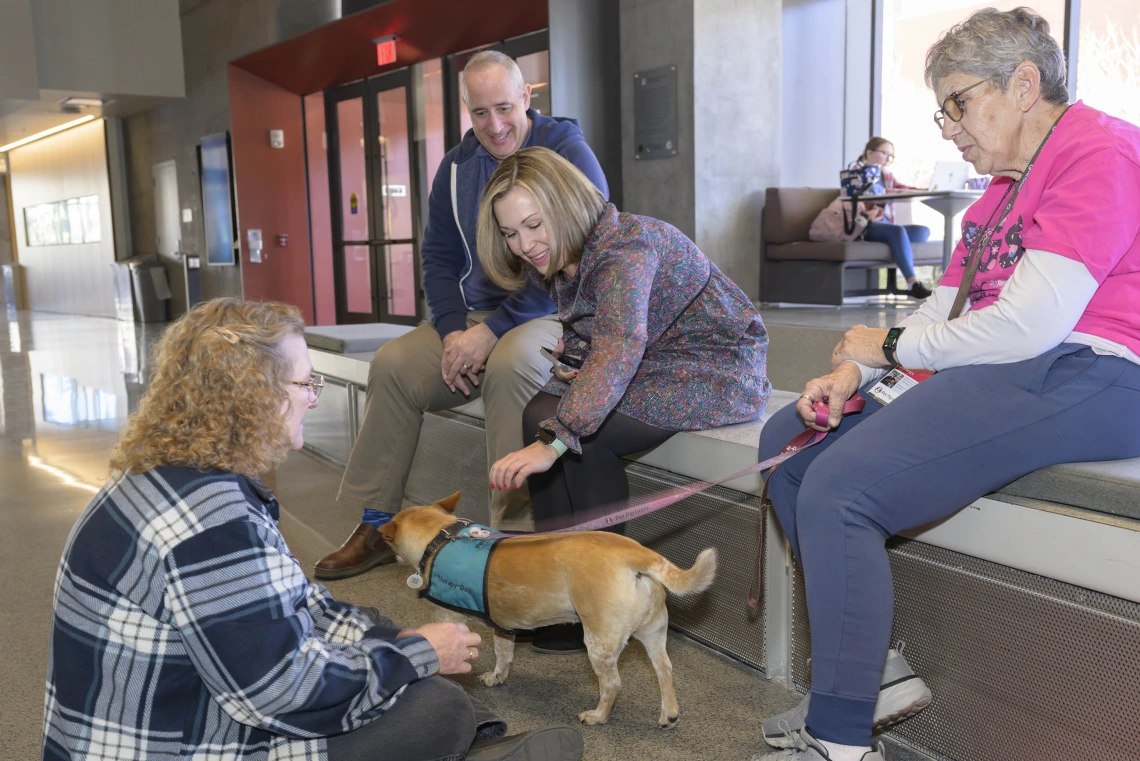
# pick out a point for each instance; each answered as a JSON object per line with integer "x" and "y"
{"x": 88, "y": 102}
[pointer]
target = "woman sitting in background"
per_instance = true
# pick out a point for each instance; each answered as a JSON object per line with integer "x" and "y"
{"x": 665, "y": 341}
{"x": 184, "y": 627}
{"x": 881, "y": 152}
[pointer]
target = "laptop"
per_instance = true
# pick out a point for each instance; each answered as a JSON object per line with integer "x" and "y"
{"x": 949, "y": 175}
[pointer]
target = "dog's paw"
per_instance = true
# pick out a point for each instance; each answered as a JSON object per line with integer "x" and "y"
{"x": 593, "y": 717}
{"x": 491, "y": 679}
{"x": 667, "y": 722}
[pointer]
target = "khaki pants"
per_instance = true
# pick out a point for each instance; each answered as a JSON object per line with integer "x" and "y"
{"x": 405, "y": 381}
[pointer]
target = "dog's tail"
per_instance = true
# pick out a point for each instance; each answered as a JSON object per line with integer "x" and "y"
{"x": 696, "y": 579}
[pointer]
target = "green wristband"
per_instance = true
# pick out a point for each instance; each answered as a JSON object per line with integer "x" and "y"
{"x": 559, "y": 447}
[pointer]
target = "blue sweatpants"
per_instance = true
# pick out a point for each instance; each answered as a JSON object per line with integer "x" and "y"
{"x": 954, "y": 438}
{"x": 899, "y": 238}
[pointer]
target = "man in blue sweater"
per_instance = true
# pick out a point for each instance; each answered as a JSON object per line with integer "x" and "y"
{"x": 482, "y": 340}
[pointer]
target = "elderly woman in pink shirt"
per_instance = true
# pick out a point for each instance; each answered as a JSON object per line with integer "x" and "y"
{"x": 1034, "y": 340}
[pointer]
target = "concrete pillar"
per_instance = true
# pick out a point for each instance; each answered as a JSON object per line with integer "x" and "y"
{"x": 727, "y": 54}
{"x": 584, "y": 50}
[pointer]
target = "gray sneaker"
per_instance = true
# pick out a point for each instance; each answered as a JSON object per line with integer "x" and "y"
{"x": 902, "y": 694}
{"x": 804, "y": 747}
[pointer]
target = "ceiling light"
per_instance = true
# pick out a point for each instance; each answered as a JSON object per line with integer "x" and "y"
{"x": 46, "y": 132}
{"x": 88, "y": 102}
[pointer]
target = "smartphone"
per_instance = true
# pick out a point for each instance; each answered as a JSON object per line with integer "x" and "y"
{"x": 567, "y": 360}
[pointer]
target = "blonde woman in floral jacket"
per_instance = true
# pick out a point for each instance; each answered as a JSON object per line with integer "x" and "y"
{"x": 656, "y": 339}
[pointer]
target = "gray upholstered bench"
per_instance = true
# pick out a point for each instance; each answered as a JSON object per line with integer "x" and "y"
{"x": 795, "y": 269}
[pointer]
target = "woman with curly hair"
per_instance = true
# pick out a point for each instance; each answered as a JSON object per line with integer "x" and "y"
{"x": 184, "y": 627}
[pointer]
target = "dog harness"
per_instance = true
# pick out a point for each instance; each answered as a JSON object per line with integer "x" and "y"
{"x": 458, "y": 577}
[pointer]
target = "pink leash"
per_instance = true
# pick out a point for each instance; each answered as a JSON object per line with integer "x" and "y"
{"x": 802, "y": 441}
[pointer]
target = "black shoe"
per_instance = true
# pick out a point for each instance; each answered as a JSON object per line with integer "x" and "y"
{"x": 919, "y": 291}
{"x": 550, "y": 744}
{"x": 560, "y": 639}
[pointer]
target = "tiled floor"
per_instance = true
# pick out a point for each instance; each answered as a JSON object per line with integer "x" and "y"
{"x": 69, "y": 384}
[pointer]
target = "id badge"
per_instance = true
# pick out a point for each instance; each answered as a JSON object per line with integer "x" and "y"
{"x": 896, "y": 383}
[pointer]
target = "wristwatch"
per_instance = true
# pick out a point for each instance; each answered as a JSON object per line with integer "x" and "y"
{"x": 891, "y": 343}
{"x": 545, "y": 436}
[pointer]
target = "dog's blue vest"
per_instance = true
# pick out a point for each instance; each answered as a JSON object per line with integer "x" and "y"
{"x": 458, "y": 578}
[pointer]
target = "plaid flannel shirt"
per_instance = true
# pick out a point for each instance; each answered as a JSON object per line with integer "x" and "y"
{"x": 184, "y": 628}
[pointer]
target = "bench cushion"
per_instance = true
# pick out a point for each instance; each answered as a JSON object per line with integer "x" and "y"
{"x": 1103, "y": 487}
{"x": 353, "y": 339}
{"x": 851, "y": 251}
{"x": 789, "y": 212}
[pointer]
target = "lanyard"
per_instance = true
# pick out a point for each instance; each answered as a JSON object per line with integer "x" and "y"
{"x": 975, "y": 256}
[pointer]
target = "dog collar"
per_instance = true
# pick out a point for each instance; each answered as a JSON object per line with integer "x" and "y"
{"x": 443, "y": 537}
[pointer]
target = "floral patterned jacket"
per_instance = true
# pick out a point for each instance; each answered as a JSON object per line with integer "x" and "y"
{"x": 665, "y": 336}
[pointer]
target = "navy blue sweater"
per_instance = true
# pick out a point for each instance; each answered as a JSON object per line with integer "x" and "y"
{"x": 454, "y": 281}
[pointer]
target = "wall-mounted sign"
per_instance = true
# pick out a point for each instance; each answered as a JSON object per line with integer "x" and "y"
{"x": 353, "y": 204}
{"x": 395, "y": 191}
{"x": 655, "y": 113}
{"x": 385, "y": 50}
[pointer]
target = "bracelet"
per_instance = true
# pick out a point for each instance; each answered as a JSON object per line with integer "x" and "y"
{"x": 559, "y": 447}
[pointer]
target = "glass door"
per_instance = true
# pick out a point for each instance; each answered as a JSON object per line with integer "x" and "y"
{"x": 372, "y": 188}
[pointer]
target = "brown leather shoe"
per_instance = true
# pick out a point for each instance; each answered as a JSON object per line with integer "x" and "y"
{"x": 365, "y": 549}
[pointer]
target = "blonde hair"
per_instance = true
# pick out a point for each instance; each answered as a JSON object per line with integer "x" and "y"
{"x": 215, "y": 399}
{"x": 569, "y": 203}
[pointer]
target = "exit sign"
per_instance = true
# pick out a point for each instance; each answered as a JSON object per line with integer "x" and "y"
{"x": 385, "y": 51}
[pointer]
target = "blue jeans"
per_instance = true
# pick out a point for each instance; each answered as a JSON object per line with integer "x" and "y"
{"x": 956, "y": 437}
{"x": 899, "y": 238}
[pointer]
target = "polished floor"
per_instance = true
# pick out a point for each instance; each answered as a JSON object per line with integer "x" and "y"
{"x": 68, "y": 384}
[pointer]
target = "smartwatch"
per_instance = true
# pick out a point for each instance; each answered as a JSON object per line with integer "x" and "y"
{"x": 547, "y": 437}
{"x": 891, "y": 343}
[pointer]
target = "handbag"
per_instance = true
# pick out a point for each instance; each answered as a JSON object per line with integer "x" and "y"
{"x": 835, "y": 223}
{"x": 866, "y": 180}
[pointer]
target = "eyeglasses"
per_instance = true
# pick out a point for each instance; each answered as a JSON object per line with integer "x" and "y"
{"x": 953, "y": 107}
{"x": 887, "y": 157}
{"x": 313, "y": 385}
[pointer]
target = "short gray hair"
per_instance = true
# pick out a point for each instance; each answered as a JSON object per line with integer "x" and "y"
{"x": 486, "y": 58}
{"x": 990, "y": 45}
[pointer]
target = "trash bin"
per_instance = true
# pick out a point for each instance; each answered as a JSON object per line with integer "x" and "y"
{"x": 142, "y": 292}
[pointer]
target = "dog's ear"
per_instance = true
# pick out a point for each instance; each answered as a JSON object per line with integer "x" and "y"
{"x": 388, "y": 531}
{"x": 449, "y": 503}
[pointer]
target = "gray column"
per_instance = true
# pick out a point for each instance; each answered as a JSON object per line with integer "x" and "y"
{"x": 727, "y": 54}
{"x": 584, "y": 65}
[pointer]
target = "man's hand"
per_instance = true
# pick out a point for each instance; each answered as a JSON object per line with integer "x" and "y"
{"x": 837, "y": 387}
{"x": 511, "y": 471}
{"x": 465, "y": 354}
{"x": 455, "y": 644}
{"x": 863, "y": 345}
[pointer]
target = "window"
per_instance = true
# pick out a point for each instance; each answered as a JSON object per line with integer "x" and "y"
{"x": 1108, "y": 57}
{"x": 75, "y": 220}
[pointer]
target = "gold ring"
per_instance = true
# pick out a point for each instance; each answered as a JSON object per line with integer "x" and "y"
{"x": 805, "y": 396}
{"x": 471, "y": 653}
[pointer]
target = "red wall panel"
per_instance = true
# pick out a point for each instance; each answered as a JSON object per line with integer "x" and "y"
{"x": 271, "y": 192}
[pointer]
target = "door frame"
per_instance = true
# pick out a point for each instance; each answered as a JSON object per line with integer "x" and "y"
{"x": 378, "y": 243}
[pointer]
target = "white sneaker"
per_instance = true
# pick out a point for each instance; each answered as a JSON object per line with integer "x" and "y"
{"x": 804, "y": 747}
{"x": 902, "y": 694}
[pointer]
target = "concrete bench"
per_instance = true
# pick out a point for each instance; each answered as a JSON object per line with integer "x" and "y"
{"x": 1022, "y": 610}
{"x": 795, "y": 269}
